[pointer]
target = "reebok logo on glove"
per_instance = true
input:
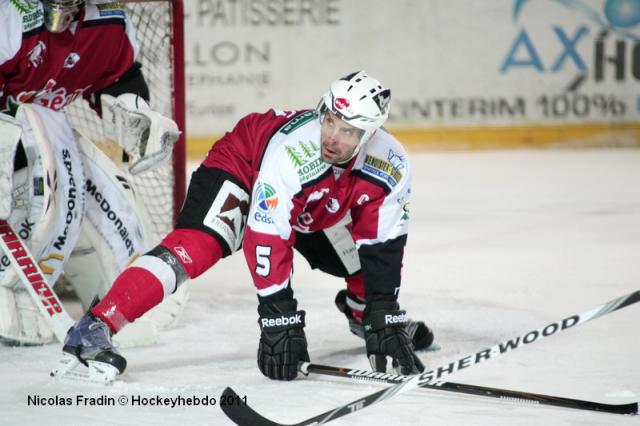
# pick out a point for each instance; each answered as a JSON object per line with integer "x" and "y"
{"x": 294, "y": 319}
{"x": 395, "y": 319}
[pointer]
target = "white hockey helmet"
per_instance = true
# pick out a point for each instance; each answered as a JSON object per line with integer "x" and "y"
{"x": 358, "y": 100}
{"x": 58, "y": 14}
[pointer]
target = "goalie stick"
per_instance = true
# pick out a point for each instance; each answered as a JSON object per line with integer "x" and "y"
{"x": 33, "y": 279}
{"x": 364, "y": 376}
{"x": 242, "y": 414}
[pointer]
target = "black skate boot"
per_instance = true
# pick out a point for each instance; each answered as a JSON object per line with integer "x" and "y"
{"x": 88, "y": 342}
{"x": 421, "y": 335}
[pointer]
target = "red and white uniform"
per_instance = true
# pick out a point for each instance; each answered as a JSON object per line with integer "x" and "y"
{"x": 53, "y": 69}
{"x": 277, "y": 155}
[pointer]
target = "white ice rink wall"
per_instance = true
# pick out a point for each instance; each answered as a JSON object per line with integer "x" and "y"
{"x": 464, "y": 73}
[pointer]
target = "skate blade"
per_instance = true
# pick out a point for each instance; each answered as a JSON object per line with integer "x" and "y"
{"x": 71, "y": 369}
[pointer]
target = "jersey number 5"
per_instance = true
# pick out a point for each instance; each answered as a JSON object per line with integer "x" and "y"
{"x": 263, "y": 263}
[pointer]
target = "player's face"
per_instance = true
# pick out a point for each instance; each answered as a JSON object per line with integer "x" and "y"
{"x": 339, "y": 139}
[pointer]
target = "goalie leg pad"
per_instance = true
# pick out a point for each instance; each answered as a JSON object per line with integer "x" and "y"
{"x": 119, "y": 224}
{"x": 52, "y": 202}
{"x": 116, "y": 233}
{"x": 10, "y": 131}
{"x": 48, "y": 207}
{"x": 22, "y": 323}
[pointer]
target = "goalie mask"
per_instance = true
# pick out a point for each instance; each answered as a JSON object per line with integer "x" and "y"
{"x": 358, "y": 100}
{"x": 58, "y": 14}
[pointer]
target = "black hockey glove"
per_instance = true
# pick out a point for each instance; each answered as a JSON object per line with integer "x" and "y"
{"x": 282, "y": 342}
{"x": 386, "y": 335}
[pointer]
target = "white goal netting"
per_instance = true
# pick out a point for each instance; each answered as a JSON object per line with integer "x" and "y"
{"x": 159, "y": 52}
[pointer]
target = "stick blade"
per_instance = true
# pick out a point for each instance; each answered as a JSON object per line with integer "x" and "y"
{"x": 627, "y": 408}
{"x": 240, "y": 413}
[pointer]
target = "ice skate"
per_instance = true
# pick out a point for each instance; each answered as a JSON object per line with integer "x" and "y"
{"x": 421, "y": 335}
{"x": 89, "y": 354}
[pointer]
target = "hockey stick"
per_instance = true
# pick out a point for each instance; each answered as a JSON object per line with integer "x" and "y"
{"x": 32, "y": 277}
{"x": 241, "y": 414}
{"x": 363, "y": 376}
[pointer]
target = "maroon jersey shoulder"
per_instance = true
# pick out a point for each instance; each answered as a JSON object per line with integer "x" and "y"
{"x": 240, "y": 151}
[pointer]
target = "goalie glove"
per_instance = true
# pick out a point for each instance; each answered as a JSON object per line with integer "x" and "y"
{"x": 146, "y": 135}
{"x": 10, "y": 132}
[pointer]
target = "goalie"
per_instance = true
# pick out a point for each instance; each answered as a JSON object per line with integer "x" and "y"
{"x": 51, "y": 53}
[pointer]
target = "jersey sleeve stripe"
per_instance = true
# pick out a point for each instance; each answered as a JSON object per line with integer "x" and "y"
{"x": 98, "y": 22}
{"x": 273, "y": 288}
{"x": 367, "y": 177}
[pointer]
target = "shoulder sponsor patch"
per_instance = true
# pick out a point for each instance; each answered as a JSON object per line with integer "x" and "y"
{"x": 297, "y": 122}
{"x": 111, "y": 9}
{"x": 382, "y": 169}
{"x": 25, "y": 6}
{"x": 32, "y": 13}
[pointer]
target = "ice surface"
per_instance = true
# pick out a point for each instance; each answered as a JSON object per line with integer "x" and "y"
{"x": 501, "y": 242}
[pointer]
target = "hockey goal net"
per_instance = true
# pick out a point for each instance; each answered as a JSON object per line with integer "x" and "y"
{"x": 160, "y": 39}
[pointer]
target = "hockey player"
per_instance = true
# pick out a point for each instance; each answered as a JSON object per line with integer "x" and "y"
{"x": 330, "y": 183}
{"x": 51, "y": 53}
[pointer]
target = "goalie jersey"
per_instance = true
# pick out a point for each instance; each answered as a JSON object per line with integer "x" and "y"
{"x": 277, "y": 155}
{"x": 53, "y": 69}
